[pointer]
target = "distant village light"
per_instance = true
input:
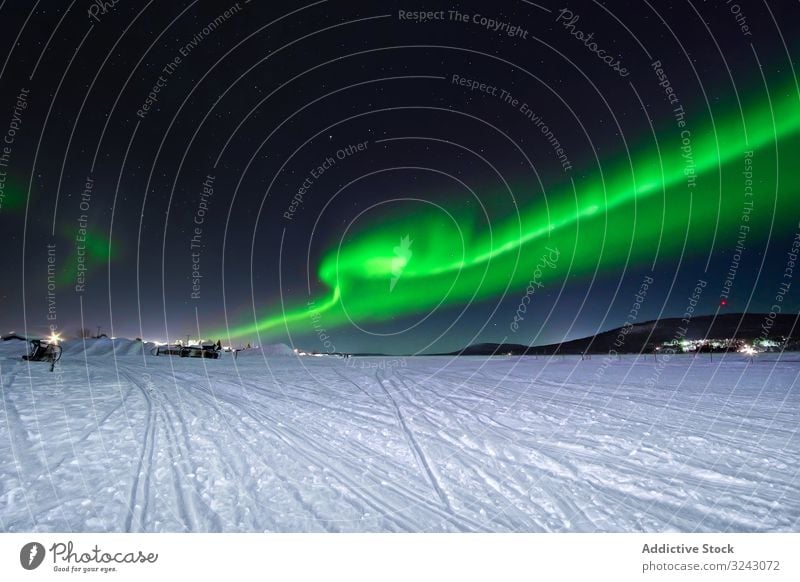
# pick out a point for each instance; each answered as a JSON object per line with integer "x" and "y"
{"x": 748, "y": 350}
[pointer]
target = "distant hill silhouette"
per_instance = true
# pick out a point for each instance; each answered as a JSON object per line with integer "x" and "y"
{"x": 641, "y": 337}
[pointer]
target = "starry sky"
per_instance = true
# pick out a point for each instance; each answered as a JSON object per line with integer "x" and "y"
{"x": 394, "y": 177}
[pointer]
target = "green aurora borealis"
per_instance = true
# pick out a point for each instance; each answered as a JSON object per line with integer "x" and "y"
{"x": 668, "y": 197}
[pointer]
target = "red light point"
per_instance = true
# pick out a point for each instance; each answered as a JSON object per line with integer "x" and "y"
{"x": 723, "y": 302}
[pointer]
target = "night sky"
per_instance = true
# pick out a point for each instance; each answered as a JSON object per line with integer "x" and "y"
{"x": 395, "y": 177}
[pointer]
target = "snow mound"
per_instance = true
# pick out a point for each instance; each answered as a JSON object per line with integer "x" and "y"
{"x": 13, "y": 348}
{"x": 78, "y": 348}
{"x": 103, "y": 346}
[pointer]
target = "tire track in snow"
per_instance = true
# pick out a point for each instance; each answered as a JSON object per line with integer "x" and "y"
{"x": 185, "y": 502}
{"x": 416, "y": 449}
{"x": 316, "y": 452}
{"x": 561, "y": 455}
{"x": 160, "y": 421}
{"x": 291, "y": 437}
{"x": 516, "y": 487}
{"x": 140, "y": 488}
{"x": 5, "y": 381}
{"x": 211, "y": 400}
{"x": 359, "y": 387}
{"x": 102, "y": 421}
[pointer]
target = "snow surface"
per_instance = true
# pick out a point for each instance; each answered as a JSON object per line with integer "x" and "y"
{"x": 118, "y": 440}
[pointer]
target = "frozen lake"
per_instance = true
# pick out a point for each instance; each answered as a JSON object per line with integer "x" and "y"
{"x": 118, "y": 441}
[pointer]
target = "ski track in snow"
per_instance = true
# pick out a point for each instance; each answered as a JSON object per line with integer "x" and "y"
{"x": 439, "y": 444}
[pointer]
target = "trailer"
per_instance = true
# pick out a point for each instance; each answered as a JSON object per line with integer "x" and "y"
{"x": 174, "y": 350}
{"x": 202, "y": 351}
{"x": 209, "y": 351}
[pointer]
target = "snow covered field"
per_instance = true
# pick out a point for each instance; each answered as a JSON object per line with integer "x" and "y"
{"x": 118, "y": 441}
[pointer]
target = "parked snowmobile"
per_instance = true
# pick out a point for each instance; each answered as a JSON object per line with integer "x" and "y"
{"x": 44, "y": 351}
